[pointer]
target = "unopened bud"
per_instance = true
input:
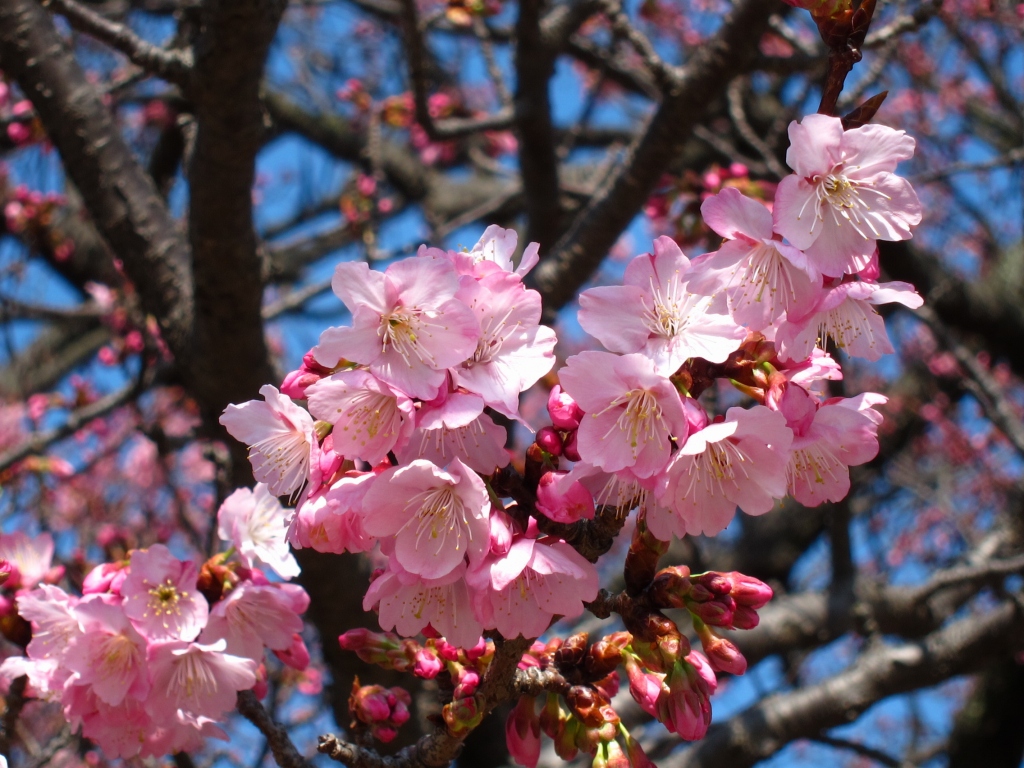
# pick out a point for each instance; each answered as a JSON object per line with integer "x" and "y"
{"x": 671, "y": 587}
{"x": 745, "y": 617}
{"x": 569, "y": 449}
{"x": 606, "y": 654}
{"x": 564, "y": 412}
{"x": 748, "y": 591}
{"x": 717, "y": 613}
{"x": 572, "y": 652}
{"x": 548, "y": 439}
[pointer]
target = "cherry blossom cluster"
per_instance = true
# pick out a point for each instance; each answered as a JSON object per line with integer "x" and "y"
{"x": 154, "y": 650}
{"x": 390, "y": 439}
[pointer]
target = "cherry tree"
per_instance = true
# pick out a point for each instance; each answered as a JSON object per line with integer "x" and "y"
{"x": 720, "y": 413}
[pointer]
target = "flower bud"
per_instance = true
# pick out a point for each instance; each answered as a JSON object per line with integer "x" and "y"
{"x": 6, "y": 569}
{"x": 717, "y": 613}
{"x": 745, "y": 617}
{"x": 748, "y": 591}
{"x": 563, "y": 501}
{"x": 637, "y": 757}
{"x": 569, "y": 449}
{"x": 565, "y": 738}
{"x": 562, "y": 409}
{"x": 572, "y": 652}
{"x": 522, "y": 732}
{"x": 716, "y": 583}
{"x": 462, "y": 715}
{"x": 296, "y": 655}
{"x": 585, "y": 703}
{"x": 670, "y": 587}
{"x": 723, "y": 655}
{"x": 426, "y": 664}
{"x": 549, "y": 439}
{"x": 616, "y": 757}
{"x": 606, "y": 654}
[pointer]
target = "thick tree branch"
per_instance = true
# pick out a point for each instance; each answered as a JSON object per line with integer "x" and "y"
{"x": 226, "y": 266}
{"x": 123, "y": 202}
{"x": 538, "y": 162}
{"x": 768, "y": 726}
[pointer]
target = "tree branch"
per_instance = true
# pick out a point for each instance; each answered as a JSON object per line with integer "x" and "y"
{"x": 595, "y": 230}
{"x": 281, "y": 746}
{"x": 173, "y": 66}
{"x": 768, "y": 726}
{"x": 123, "y": 202}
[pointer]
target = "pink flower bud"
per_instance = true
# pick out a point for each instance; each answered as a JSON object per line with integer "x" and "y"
{"x": 717, "y": 613}
{"x": 561, "y": 501}
{"x": 296, "y": 655}
{"x": 723, "y": 656}
{"x": 745, "y": 617}
{"x": 750, "y": 592}
{"x": 564, "y": 412}
{"x": 427, "y": 665}
{"x": 467, "y": 683}
{"x": 549, "y": 439}
{"x": 261, "y": 688}
{"x": 569, "y": 449}
{"x": 522, "y": 732}
{"x": 738, "y": 169}
{"x": 356, "y": 639}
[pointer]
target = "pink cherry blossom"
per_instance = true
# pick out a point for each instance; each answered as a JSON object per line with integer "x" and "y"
{"x": 200, "y": 679}
{"x": 331, "y": 520}
{"x": 282, "y": 445}
{"x": 520, "y": 592}
{"x": 828, "y": 438}
{"x": 437, "y": 517}
{"x": 109, "y": 655}
{"x": 631, "y": 411}
{"x": 31, "y": 557}
{"x": 762, "y": 277}
{"x": 738, "y": 462}
{"x": 496, "y": 247}
{"x": 370, "y": 418}
{"x": 407, "y": 603}
{"x": 257, "y": 526}
{"x": 160, "y": 595}
{"x": 250, "y": 618}
{"x": 844, "y": 195}
{"x": 407, "y": 325}
{"x": 54, "y": 624}
{"x": 674, "y": 323}
{"x": 454, "y": 425}
{"x": 514, "y": 350}
{"x": 846, "y": 313}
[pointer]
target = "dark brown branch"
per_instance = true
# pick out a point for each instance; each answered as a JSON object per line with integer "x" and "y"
{"x": 665, "y": 75}
{"x": 123, "y": 202}
{"x": 226, "y": 266}
{"x": 538, "y": 161}
{"x": 173, "y": 66}
{"x": 450, "y": 128}
{"x": 595, "y": 230}
{"x": 14, "y": 702}
{"x": 884, "y": 671}
{"x": 439, "y": 748}
{"x": 281, "y": 747}
{"x": 42, "y": 440}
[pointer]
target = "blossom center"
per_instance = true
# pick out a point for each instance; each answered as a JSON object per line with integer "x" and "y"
{"x": 836, "y": 194}
{"x": 164, "y": 599}
{"x": 402, "y": 331}
{"x": 440, "y": 513}
{"x": 641, "y": 419}
{"x": 666, "y": 316}
{"x": 721, "y": 464}
{"x": 372, "y": 413}
{"x": 812, "y": 465}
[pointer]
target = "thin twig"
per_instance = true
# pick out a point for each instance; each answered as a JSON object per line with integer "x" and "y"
{"x": 452, "y": 127}
{"x": 173, "y": 66}
{"x": 666, "y": 75}
{"x": 739, "y": 119}
{"x": 1009, "y": 158}
{"x": 78, "y": 419}
{"x": 863, "y": 750}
